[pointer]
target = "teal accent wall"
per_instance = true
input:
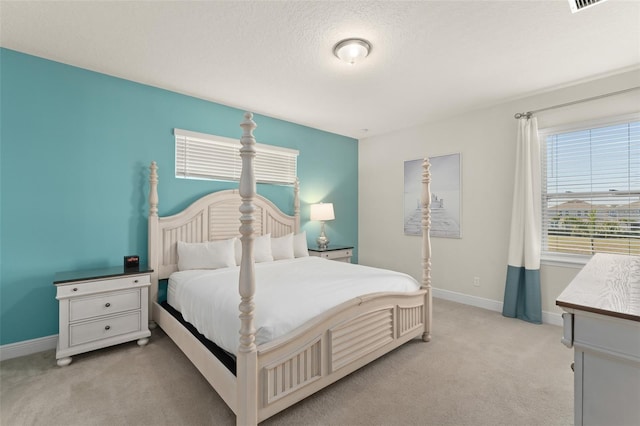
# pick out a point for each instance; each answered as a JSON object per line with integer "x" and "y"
{"x": 74, "y": 156}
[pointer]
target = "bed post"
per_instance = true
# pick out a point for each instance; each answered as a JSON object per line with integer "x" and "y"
{"x": 426, "y": 246}
{"x": 296, "y": 205}
{"x": 153, "y": 238}
{"x": 247, "y": 358}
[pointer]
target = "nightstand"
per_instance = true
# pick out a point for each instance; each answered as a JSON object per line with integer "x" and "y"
{"x": 339, "y": 253}
{"x": 100, "y": 308}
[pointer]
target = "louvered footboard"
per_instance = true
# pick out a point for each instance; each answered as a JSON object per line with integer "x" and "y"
{"x": 336, "y": 344}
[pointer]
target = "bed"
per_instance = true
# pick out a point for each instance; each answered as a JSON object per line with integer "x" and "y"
{"x": 262, "y": 377}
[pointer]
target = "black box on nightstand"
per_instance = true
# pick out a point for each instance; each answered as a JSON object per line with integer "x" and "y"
{"x": 131, "y": 263}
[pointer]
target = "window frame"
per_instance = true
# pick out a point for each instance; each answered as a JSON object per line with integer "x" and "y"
{"x": 569, "y": 259}
{"x": 266, "y": 161}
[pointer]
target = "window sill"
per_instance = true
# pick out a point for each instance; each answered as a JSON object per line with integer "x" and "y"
{"x": 564, "y": 260}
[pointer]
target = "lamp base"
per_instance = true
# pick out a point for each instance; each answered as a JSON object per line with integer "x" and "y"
{"x": 322, "y": 240}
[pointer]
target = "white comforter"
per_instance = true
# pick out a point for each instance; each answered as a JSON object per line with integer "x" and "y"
{"x": 288, "y": 293}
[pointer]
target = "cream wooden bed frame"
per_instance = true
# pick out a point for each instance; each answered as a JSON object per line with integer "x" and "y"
{"x": 273, "y": 376}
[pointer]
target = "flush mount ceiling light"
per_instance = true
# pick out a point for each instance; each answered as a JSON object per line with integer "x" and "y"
{"x": 352, "y": 50}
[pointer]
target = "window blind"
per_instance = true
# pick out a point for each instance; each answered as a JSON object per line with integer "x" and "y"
{"x": 591, "y": 190}
{"x": 202, "y": 156}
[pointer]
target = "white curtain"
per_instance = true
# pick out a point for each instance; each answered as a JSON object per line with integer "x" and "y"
{"x": 522, "y": 290}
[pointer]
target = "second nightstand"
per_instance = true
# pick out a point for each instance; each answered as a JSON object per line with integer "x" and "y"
{"x": 339, "y": 253}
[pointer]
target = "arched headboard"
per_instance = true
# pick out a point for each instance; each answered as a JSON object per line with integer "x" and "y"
{"x": 212, "y": 217}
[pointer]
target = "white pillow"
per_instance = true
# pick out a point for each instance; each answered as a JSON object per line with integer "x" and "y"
{"x": 207, "y": 255}
{"x": 300, "y": 245}
{"x": 261, "y": 249}
{"x": 282, "y": 247}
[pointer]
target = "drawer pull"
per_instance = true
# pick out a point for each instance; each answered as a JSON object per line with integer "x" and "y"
{"x": 107, "y": 327}
{"x": 135, "y": 281}
{"x": 75, "y": 289}
{"x": 106, "y": 305}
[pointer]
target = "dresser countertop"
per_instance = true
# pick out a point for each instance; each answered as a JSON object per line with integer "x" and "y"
{"x": 609, "y": 284}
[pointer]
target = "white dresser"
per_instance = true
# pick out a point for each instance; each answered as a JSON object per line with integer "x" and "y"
{"x": 602, "y": 324}
{"x": 100, "y": 308}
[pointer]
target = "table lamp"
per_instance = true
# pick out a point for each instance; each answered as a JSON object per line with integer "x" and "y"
{"x": 322, "y": 212}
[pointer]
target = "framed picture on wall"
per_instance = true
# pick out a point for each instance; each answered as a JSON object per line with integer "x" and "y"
{"x": 446, "y": 196}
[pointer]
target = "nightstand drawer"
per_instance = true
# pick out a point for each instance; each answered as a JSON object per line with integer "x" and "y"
{"x": 336, "y": 254}
{"x": 342, "y": 254}
{"x": 106, "y": 304}
{"x": 103, "y": 329}
{"x": 104, "y": 285}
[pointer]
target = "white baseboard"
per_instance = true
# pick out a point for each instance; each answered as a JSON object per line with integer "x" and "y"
{"x": 28, "y": 347}
{"x": 552, "y": 318}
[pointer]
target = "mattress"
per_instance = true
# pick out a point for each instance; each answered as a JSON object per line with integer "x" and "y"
{"x": 288, "y": 294}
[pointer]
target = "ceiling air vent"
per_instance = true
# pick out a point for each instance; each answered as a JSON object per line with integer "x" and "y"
{"x": 578, "y": 5}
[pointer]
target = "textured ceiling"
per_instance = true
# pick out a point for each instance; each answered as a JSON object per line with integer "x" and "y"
{"x": 430, "y": 59}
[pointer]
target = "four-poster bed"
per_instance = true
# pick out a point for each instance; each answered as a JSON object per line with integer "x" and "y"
{"x": 272, "y": 376}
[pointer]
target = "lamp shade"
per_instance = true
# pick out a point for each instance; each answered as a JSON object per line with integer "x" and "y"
{"x": 322, "y": 211}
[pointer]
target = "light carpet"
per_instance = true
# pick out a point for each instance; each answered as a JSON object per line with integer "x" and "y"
{"x": 479, "y": 369}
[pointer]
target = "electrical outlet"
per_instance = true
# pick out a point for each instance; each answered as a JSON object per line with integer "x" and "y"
{"x": 476, "y": 281}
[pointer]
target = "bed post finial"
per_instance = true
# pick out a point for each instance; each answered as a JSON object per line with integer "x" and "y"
{"x": 247, "y": 360}
{"x": 153, "y": 189}
{"x": 296, "y": 204}
{"x": 152, "y": 251}
{"x": 426, "y": 246}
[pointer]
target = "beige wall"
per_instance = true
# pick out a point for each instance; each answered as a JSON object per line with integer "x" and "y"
{"x": 486, "y": 139}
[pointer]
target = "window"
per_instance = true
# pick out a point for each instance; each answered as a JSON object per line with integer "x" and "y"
{"x": 202, "y": 156}
{"x": 591, "y": 189}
